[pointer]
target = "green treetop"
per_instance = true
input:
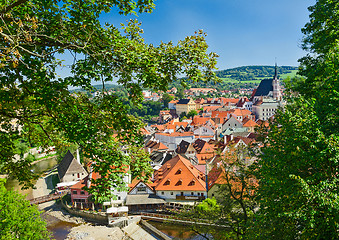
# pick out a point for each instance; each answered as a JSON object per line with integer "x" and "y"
{"x": 32, "y": 36}
{"x": 299, "y": 165}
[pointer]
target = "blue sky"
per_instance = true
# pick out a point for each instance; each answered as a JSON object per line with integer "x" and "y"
{"x": 241, "y": 32}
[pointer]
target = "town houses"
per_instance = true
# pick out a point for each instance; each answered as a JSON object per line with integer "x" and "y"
{"x": 188, "y": 151}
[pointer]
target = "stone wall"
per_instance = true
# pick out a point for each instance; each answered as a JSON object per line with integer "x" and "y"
{"x": 90, "y": 216}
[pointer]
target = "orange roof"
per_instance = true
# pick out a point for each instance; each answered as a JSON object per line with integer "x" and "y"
{"x": 241, "y": 112}
{"x": 201, "y": 146}
{"x": 173, "y": 125}
{"x": 176, "y": 134}
{"x": 178, "y": 174}
{"x": 263, "y": 123}
{"x": 197, "y": 120}
{"x": 202, "y": 157}
{"x": 144, "y": 131}
{"x": 229, "y": 100}
{"x": 249, "y": 123}
{"x": 174, "y": 101}
{"x": 136, "y": 181}
{"x": 216, "y": 176}
{"x": 83, "y": 182}
{"x": 210, "y": 108}
{"x": 222, "y": 115}
{"x": 154, "y": 145}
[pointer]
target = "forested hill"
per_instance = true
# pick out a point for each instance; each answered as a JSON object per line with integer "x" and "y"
{"x": 249, "y": 73}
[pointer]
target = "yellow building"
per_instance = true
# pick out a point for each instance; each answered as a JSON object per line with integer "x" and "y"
{"x": 185, "y": 105}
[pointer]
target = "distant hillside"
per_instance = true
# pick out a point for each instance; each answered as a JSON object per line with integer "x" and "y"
{"x": 253, "y": 73}
{"x": 246, "y": 76}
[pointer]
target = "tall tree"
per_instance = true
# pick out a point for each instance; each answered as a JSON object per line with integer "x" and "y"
{"x": 34, "y": 34}
{"x": 166, "y": 98}
{"x": 299, "y": 165}
{"x": 18, "y": 219}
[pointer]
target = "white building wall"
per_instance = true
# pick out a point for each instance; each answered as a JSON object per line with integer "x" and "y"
{"x": 171, "y": 195}
{"x": 70, "y": 177}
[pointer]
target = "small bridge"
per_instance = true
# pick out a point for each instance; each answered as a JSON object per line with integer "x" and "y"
{"x": 47, "y": 198}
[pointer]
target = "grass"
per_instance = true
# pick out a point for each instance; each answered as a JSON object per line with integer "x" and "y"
{"x": 291, "y": 74}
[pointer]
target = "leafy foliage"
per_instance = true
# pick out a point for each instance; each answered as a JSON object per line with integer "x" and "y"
{"x": 298, "y": 170}
{"x": 18, "y": 219}
{"x": 231, "y": 210}
{"x": 35, "y": 33}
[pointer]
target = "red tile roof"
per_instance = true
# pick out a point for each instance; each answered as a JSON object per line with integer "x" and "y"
{"x": 178, "y": 174}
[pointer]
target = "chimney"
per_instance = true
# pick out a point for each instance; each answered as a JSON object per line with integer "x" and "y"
{"x": 78, "y": 156}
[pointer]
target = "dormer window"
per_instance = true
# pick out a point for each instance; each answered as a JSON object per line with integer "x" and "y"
{"x": 168, "y": 181}
{"x": 179, "y": 182}
{"x": 179, "y": 171}
{"x": 192, "y": 183}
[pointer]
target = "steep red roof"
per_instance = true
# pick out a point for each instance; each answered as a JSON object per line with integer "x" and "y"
{"x": 136, "y": 181}
{"x": 178, "y": 174}
{"x": 216, "y": 176}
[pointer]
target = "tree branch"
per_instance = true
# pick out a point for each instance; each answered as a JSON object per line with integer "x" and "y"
{"x": 13, "y": 5}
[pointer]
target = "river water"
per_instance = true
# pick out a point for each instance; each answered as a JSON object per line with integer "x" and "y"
{"x": 38, "y": 167}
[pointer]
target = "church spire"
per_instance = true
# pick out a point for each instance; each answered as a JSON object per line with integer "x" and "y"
{"x": 276, "y": 70}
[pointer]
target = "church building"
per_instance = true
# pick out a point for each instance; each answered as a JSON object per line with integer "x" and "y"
{"x": 267, "y": 98}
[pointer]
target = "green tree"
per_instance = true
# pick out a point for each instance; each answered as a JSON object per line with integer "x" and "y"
{"x": 183, "y": 115}
{"x": 180, "y": 93}
{"x": 18, "y": 219}
{"x": 35, "y": 33}
{"x": 166, "y": 98}
{"x": 192, "y": 113}
{"x": 232, "y": 207}
{"x": 299, "y": 165}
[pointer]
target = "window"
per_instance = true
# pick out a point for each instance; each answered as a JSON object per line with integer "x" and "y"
{"x": 179, "y": 183}
{"x": 192, "y": 183}
{"x": 162, "y": 193}
{"x": 171, "y": 193}
{"x": 192, "y": 193}
{"x": 73, "y": 174}
{"x": 82, "y": 192}
{"x": 119, "y": 198}
{"x": 75, "y": 192}
{"x": 141, "y": 189}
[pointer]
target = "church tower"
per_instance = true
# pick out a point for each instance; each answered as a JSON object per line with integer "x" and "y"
{"x": 276, "y": 85}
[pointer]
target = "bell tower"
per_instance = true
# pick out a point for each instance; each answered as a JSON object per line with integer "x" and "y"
{"x": 276, "y": 85}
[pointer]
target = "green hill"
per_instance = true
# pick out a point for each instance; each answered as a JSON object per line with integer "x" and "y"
{"x": 255, "y": 73}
